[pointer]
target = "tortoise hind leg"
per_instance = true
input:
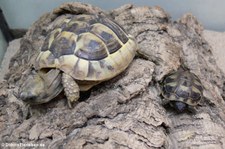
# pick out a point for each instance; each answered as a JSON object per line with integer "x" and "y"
{"x": 71, "y": 89}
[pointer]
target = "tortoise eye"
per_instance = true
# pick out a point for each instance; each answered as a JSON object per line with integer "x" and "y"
{"x": 26, "y": 96}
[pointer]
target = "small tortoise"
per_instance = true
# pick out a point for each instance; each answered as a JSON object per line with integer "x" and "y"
{"x": 182, "y": 90}
{"x": 80, "y": 52}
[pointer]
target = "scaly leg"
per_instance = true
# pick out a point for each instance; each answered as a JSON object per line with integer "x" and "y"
{"x": 71, "y": 89}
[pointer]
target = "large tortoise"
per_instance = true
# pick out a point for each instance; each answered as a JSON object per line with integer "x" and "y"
{"x": 182, "y": 90}
{"x": 80, "y": 52}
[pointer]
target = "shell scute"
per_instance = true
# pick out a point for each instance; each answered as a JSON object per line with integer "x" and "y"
{"x": 63, "y": 45}
{"x": 119, "y": 31}
{"x": 195, "y": 96}
{"x": 107, "y": 36}
{"x": 90, "y": 48}
{"x": 182, "y": 93}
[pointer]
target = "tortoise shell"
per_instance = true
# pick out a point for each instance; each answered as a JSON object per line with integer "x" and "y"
{"x": 87, "y": 47}
{"x": 182, "y": 86}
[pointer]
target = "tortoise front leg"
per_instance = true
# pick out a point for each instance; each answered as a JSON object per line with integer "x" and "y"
{"x": 71, "y": 89}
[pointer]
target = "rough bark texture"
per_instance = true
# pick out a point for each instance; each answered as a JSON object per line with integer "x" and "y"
{"x": 125, "y": 112}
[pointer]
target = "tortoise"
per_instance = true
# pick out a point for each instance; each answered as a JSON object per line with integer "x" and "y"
{"x": 182, "y": 90}
{"x": 80, "y": 52}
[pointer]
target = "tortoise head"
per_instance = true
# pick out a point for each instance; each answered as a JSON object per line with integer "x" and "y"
{"x": 40, "y": 87}
{"x": 179, "y": 106}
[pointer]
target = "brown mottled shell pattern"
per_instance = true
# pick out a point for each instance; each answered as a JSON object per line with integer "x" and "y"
{"x": 182, "y": 86}
{"x": 87, "y": 47}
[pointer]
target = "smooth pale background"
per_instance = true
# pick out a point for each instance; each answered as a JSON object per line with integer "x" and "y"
{"x": 3, "y": 46}
{"x": 22, "y": 13}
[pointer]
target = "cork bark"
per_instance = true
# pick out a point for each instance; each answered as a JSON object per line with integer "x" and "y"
{"x": 126, "y": 111}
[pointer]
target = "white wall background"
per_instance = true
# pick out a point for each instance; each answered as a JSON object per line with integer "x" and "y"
{"x": 211, "y": 13}
{"x": 3, "y": 46}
